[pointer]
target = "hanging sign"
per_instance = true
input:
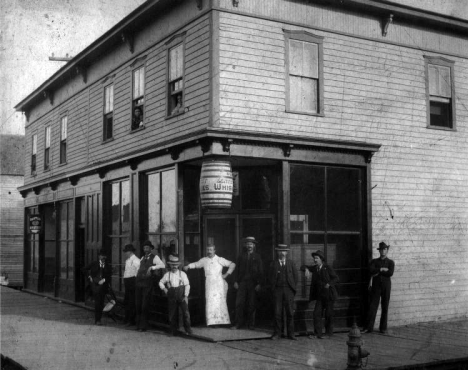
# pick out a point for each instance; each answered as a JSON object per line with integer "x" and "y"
{"x": 35, "y": 224}
{"x": 216, "y": 184}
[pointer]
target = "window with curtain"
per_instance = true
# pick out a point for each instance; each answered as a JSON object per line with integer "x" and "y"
{"x": 440, "y": 93}
{"x": 47, "y": 148}
{"x": 304, "y": 72}
{"x": 33, "y": 154}
{"x": 63, "y": 139}
{"x": 108, "y": 112}
{"x": 138, "y": 101}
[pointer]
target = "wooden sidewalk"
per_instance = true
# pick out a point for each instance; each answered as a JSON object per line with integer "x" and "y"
{"x": 41, "y": 333}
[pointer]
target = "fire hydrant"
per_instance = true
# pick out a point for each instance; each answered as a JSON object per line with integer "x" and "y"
{"x": 355, "y": 351}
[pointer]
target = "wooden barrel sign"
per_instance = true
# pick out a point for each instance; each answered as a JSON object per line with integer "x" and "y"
{"x": 216, "y": 184}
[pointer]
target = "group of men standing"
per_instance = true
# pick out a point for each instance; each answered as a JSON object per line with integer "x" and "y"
{"x": 282, "y": 277}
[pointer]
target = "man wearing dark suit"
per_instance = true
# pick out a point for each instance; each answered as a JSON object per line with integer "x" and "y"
{"x": 248, "y": 282}
{"x": 99, "y": 274}
{"x": 283, "y": 279}
{"x": 323, "y": 291}
{"x": 381, "y": 270}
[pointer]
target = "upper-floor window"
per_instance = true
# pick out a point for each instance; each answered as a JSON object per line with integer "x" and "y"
{"x": 47, "y": 148}
{"x": 33, "y": 155}
{"x": 138, "y": 102}
{"x": 108, "y": 112}
{"x": 440, "y": 93}
{"x": 175, "y": 75}
{"x": 63, "y": 139}
{"x": 176, "y": 80}
{"x": 304, "y": 72}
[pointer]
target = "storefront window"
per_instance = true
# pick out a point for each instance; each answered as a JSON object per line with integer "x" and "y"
{"x": 67, "y": 250}
{"x": 120, "y": 229}
{"x": 162, "y": 212}
{"x": 326, "y": 215}
{"x": 256, "y": 188}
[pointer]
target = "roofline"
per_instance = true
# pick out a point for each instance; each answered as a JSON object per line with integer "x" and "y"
{"x": 94, "y": 46}
{"x": 383, "y": 6}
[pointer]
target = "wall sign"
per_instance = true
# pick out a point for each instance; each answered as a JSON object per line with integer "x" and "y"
{"x": 35, "y": 224}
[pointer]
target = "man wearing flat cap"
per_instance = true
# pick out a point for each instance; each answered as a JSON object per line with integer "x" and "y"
{"x": 323, "y": 292}
{"x": 176, "y": 285}
{"x": 99, "y": 274}
{"x": 248, "y": 279}
{"x": 283, "y": 279}
{"x": 144, "y": 284}
{"x": 381, "y": 270}
{"x": 132, "y": 265}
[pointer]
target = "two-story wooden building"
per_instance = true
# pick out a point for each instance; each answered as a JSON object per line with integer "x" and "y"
{"x": 345, "y": 124}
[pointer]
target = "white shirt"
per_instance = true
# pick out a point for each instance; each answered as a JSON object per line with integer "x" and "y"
{"x": 157, "y": 263}
{"x": 178, "y": 279}
{"x": 132, "y": 265}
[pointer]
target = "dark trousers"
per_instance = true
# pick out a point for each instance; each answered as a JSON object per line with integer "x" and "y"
{"x": 175, "y": 299}
{"x": 99, "y": 293}
{"x": 284, "y": 299}
{"x": 379, "y": 291}
{"x": 142, "y": 299}
{"x": 245, "y": 301}
{"x": 321, "y": 306}
{"x": 130, "y": 300}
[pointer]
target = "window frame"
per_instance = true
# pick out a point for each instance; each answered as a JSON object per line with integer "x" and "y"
{"x": 441, "y": 62}
{"x": 308, "y": 37}
{"x": 33, "y": 154}
{"x": 63, "y": 141}
{"x": 108, "y": 114}
{"x": 136, "y": 67}
{"x": 172, "y": 96}
{"x": 47, "y": 144}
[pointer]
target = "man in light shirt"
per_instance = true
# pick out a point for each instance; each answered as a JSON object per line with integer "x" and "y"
{"x": 132, "y": 264}
{"x": 177, "y": 288}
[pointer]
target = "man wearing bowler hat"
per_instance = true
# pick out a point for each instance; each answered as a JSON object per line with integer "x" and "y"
{"x": 381, "y": 270}
{"x": 176, "y": 285}
{"x": 323, "y": 292}
{"x": 283, "y": 279}
{"x": 247, "y": 283}
{"x": 99, "y": 274}
{"x": 144, "y": 284}
{"x": 132, "y": 264}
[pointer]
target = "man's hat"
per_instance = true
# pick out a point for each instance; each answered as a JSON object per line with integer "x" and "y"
{"x": 319, "y": 254}
{"x": 173, "y": 260}
{"x": 129, "y": 248}
{"x": 382, "y": 245}
{"x": 102, "y": 252}
{"x": 250, "y": 239}
{"x": 282, "y": 247}
{"x": 148, "y": 243}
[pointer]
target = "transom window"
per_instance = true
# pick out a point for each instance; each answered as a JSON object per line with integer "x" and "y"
{"x": 304, "y": 66}
{"x": 440, "y": 93}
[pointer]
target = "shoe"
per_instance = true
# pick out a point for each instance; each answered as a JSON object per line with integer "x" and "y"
{"x": 142, "y": 330}
{"x": 322, "y": 337}
{"x": 384, "y": 332}
{"x": 189, "y": 332}
{"x": 274, "y": 337}
{"x": 98, "y": 323}
{"x": 138, "y": 329}
{"x": 292, "y": 337}
{"x": 251, "y": 327}
{"x": 235, "y": 327}
{"x": 365, "y": 331}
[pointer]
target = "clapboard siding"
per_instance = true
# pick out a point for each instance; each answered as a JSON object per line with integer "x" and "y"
{"x": 11, "y": 229}
{"x": 85, "y": 144}
{"x": 373, "y": 92}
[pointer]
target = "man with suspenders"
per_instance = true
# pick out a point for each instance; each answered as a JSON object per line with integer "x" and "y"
{"x": 177, "y": 288}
